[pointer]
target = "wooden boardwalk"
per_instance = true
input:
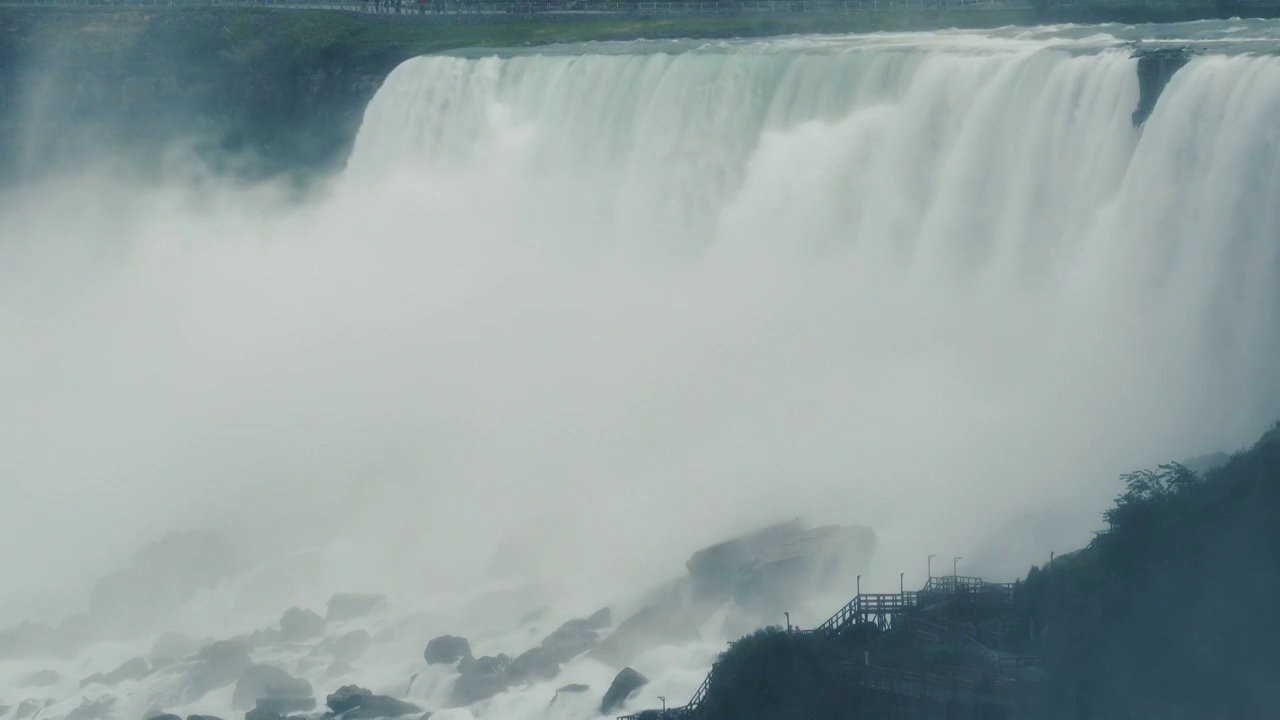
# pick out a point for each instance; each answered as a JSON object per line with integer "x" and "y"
{"x": 951, "y": 685}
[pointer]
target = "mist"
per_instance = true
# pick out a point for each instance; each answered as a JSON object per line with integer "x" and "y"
{"x": 554, "y": 328}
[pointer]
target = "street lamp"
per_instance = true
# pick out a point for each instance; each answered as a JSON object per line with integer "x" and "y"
{"x": 664, "y": 703}
{"x": 901, "y": 586}
{"x": 954, "y": 562}
{"x": 788, "y": 621}
{"x": 931, "y": 557}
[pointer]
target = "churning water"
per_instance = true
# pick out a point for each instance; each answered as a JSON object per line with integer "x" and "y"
{"x": 618, "y": 300}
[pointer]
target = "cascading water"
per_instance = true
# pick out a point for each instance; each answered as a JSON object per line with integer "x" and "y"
{"x": 918, "y": 281}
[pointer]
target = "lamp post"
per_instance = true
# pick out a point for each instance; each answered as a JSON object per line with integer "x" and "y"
{"x": 664, "y": 703}
{"x": 859, "y": 585}
{"x": 788, "y": 621}
{"x": 954, "y": 562}
{"x": 931, "y": 557}
{"x": 901, "y": 586}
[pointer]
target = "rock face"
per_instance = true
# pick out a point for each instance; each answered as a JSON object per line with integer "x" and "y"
{"x": 26, "y": 709}
{"x": 284, "y": 692}
{"x": 171, "y": 647}
{"x": 481, "y": 678}
{"x": 346, "y": 606}
{"x": 134, "y": 669}
{"x": 446, "y": 650}
{"x": 711, "y": 569}
{"x": 164, "y": 716}
{"x": 625, "y": 684}
{"x": 92, "y": 709}
{"x": 353, "y": 702}
{"x": 216, "y": 665}
{"x": 763, "y": 571}
{"x": 164, "y": 575}
{"x": 567, "y": 642}
{"x": 41, "y": 678}
{"x": 297, "y": 625}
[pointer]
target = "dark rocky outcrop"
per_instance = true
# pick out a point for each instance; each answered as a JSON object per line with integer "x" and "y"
{"x": 203, "y": 717}
{"x": 624, "y": 685}
{"x": 41, "y": 678}
{"x": 26, "y": 709}
{"x": 711, "y": 570}
{"x": 93, "y": 709}
{"x": 171, "y": 647}
{"x": 268, "y": 682}
{"x": 134, "y": 669}
{"x": 297, "y": 625}
{"x": 347, "y": 606}
{"x": 164, "y": 716}
{"x": 1156, "y": 68}
{"x": 567, "y": 642}
{"x": 817, "y": 559}
{"x": 446, "y": 649}
{"x": 353, "y": 702}
{"x": 217, "y": 665}
{"x": 480, "y": 679}
{"x": 574, "y": 689}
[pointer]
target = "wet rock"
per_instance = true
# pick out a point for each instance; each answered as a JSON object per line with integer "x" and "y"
{"x": 575, "y": 689}
{"x": 815, "y": 560}
{"x": 625, "y": 684}
{"x": 345, "y": 606}
{"x": 216, "y": 666}
{"x": 533, "y": 665}
{"x": 353, "y": 702}
{"x": 297, "y": 625}
{"x": 285, "y": 705}
{"x": 669, "y": 619}
{"x": 446, "y": 650}
{"x": 26, "y": 709}
{"x": 41, "y": 678}
{"x": 164, "y": 575}
{"x": 480, "y": 679}
{"x": 600, "y": 619}
{"x": 171, "y": 647}
{"x": 92, "y": 709}
{"x": 426, "y": 716}
{"x": 163, "y": 716}
{"x": 349, "y": 647}
{"x": 266, "y": 681}
{"x": 711, "y": 569}
{"x": 203, "y": 717}
{"x": 134, "y": 669}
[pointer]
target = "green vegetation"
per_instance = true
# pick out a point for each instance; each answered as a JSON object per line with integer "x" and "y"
{"x": 1167, "y": 614}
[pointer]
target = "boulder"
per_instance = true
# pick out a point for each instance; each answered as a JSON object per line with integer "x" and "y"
{"x": 26, "y": 709}
{"x": 164, "y": 575}
{"x": 41, "y": 678}
{"x": 625, "y": 684}
{"x": 203, "y": 717}
{"x": 134, "y": 669}
{"x": 574, "y": 689}
{"x": 92, "y": 709}
{"x": 217, "y": 665}
{"x": 446, "y": 650}
{"x": 813, "y": 561}
{"x": 480, "y": 679}
{"x": 600, "y": 619}
{"x": 345, "y": 606}
{"x": 164, "y": 716}
{"x": 711, "y": 569}
{"x": 171, "y": 647}
{"x": 266, "y": 681}
{"x": 297, "y": 625}
{"x": 534, "y": 665}
{"x": 349, "y": 647}
{"x": 353, "y": 702}
{"x": 284, "y": 705}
